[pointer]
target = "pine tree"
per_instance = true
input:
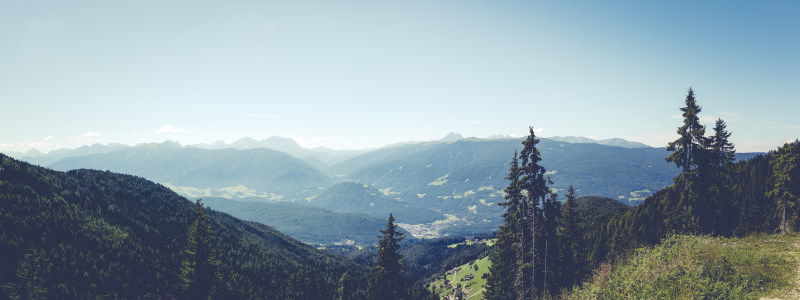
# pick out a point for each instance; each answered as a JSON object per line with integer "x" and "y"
{"x": 31, "y": 272}
{"x": 345, "y": 290}
{"x": 688, "y": 153}
{"x": 536, "y": 189}
{"x": 503, "y": 260}
{"x": 551, "y": 210}
{"x": 722, "y": 150}
{"x": 304, "y": 285}
{"x": 784, "y": 163}
{"x": 717, "y": 214}
{"x": 571, "y": 241}
{"x": 688, "y": 148}
{"x": 386, "y": 278}
{"x": 200, "y": 277}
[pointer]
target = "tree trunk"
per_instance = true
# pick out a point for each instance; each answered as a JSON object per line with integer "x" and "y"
{"x": 783, "y": 220}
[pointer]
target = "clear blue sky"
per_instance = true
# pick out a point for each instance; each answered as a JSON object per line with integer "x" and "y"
{"x": 352, "y": 74}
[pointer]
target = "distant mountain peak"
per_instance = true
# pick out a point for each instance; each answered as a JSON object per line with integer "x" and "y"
{"x": 616, "y": 142}
{"x": 452, "y": 137}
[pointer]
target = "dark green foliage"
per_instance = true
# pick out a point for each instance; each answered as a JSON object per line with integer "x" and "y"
{"x": 200, "y": 276}
{"x": 305, "y": 284}
{"x": 302, "y": 221}
{"x": 784, "y": 163}
{"x": 423, "y": 258}
{"x": 92, "y": 234}
{"x": 526, "y": 256}
{"x": 687, "y": 149}
{"x": 503, "y": 270}
{"x": 572, "y": 248}
{"x": 739, "y": 192}
{"x": 31, "y": 273}
{"x": 386, "y": 278}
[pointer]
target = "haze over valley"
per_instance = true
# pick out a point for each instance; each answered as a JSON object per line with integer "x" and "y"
{"x": 431, "y": 150}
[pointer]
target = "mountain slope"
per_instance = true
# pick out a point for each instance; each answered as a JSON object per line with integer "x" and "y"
{"x": 359, "y": 198}
{"x": 304, "y": 222}
{"x": 90, "y": 233}
{"x": 267, "y": 172}
{"x": 466, "y": 178}
{"x": 693, "y": 267}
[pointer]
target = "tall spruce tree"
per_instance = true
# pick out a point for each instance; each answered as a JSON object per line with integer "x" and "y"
{"x": 717, "y": 214}
{"x": 386, "y": 278}
{"x": 551, "y": 210}
{"x": 536, "y": 189}
{"x": 784, "y": 164}
{"x": 722, "y": 151}
{"x": 571, "y": 241}
{"x": 502, "y": 271}
{"x": 688, "y": 153}
{"x": 687, "y": 149}
{"x": 200, "y": 277}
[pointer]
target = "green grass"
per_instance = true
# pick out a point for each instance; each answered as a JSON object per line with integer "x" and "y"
{"x": 473, "y": 288}
{"x": 489, "y": 242}
{"x": 692, "y": 267}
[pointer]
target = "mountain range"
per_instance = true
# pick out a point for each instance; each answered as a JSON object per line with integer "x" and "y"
{"x": 435, "y": 188}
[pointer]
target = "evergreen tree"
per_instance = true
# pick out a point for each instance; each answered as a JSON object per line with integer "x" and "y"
{"x": 551, "y": 210}
{"x": 304, "y": 285}
{"x": 536, "y": 189}
{"x": 784, "y": 163}
{"x": 688, "y": 153}
{"x": 687, "y": 149}
{"x": 200, "y": 277}
{"x": 345, "y": 290}
{"x": 386, "y": 278}
{"x": 722, "y": 151}
{"x": 717, "y": 213}
{"x": 502, "y": 270}
{"x": 571, "y": 241}
{"x": 31, "y": 273}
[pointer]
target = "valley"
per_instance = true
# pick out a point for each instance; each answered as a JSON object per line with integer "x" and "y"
{"x": 437, "y": 188}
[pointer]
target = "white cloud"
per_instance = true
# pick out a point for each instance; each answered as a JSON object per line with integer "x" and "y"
{"x": 319, "y": 140}
{"x": 476, "y": 122}
{"x": 49, "y": 138}
{"x": 538, "y": 130}
{"x": 169, "y": 129}
{"x": 264, "y": 116}
{"x": 89, "y": 137}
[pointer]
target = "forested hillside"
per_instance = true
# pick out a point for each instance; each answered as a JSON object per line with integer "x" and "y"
{"x": 544, "y": 245}
{"x": 99, "y": 234}
{"x": 303, "y": 222}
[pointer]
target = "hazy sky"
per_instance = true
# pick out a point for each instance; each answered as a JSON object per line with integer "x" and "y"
{"x": 345, "y": 74}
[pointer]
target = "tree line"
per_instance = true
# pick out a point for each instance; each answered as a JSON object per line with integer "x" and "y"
{"x": 541, "y": 248}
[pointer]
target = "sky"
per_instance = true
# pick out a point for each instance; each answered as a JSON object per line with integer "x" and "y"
{"x": 358, "y": 74}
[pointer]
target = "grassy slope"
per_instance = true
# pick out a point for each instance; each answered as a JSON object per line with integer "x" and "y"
{"x": 691, "y": 267}
{"x": 473, "y": 288}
